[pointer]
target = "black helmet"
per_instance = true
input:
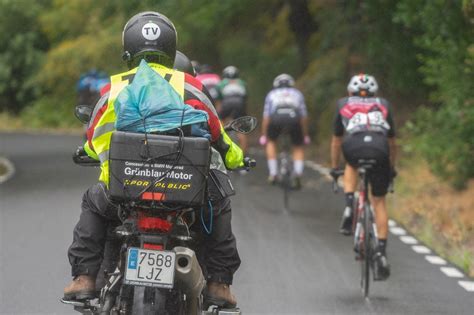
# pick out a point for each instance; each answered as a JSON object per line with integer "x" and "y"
{"x": 230, "y": 72}
{"x": 283, "y": 80}
{"x": 182, "y": 63}
{"x": 150, "y": 36}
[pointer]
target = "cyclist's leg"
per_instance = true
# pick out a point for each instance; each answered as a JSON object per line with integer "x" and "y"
{"x": 381, "y": 216}
{"x": 351, "y": 152}
{"x": 297, "y": 140}
{"x": 379, "y": 181}
{"x": 273, "y": 132}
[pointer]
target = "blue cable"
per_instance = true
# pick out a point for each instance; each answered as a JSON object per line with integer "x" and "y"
{"x": 211, "y": 210}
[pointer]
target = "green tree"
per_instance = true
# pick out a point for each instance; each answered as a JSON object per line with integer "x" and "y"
{"x": 21, "y": 52}
{"x": 444, "y": 131}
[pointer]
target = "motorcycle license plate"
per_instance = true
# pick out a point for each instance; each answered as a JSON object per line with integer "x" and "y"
{"x": 152, "y": 268}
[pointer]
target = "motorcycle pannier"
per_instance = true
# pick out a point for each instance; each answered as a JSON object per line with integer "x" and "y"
{"x": 158, "y": 168}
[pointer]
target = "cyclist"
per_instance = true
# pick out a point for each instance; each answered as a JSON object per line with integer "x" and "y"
{"x": 370, "y": 134}
{"x": 232, "y": 96}
{"x": 140, "y": 42}
{"x": 209, "y": 79}
{"x": 285, "y": 111}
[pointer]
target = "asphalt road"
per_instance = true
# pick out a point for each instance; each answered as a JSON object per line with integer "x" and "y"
{"x": 292, "y": 262}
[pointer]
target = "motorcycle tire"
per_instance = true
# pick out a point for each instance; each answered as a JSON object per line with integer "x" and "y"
{"x": 147, "y": 301}
{"x": 155, "y": 301}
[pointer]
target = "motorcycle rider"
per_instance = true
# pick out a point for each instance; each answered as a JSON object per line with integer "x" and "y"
{"x": 220, "y": 258}
{"x": 285, "y": 111}
{"x": 368, "y": 124}
{"x": 232, "y": 98}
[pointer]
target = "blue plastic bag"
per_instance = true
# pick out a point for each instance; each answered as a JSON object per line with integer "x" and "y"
{"x": 150, "y": 104}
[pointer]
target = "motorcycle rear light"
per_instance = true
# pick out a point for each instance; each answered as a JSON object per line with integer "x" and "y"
{"x": 153, "y": 196}
{"x": 154, "y": 224}
{"x": 153, "y": 246}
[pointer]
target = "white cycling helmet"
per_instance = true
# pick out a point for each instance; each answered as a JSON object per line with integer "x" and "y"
{"x": 283, "y": 80}
{"x": 230, "y": 72}
{"x": 362, "y": 85}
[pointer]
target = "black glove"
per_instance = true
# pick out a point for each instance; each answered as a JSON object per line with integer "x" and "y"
{"x": 393, "y": 172}
{"x": 335, "y": 173}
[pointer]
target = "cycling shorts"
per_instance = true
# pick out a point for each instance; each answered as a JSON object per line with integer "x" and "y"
{"x": 286, "y": 124}
{"x": 370, "y": 146}
{"x": 233, "y": 108}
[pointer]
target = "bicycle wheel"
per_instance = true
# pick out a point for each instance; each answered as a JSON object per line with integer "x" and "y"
{"x": 365, "y": 263}
{"x": 286, "y": 191}
{"x": 355, "y": 210}
{"x": 285, "y": 173}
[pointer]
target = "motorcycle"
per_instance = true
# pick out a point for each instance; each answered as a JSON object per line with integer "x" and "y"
{"x": 156, "y": 267}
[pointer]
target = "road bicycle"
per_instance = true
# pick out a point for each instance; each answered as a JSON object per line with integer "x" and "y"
{"x": 363, "y": 227}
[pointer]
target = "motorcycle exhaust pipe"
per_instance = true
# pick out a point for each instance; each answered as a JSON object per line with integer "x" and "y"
{"x": 189, "y": 277}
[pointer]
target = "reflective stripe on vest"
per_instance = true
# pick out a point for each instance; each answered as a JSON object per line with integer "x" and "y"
{"x": 106, "y": 125}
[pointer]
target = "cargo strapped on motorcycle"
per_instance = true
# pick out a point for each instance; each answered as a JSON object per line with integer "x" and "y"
{"x": 159, "y": 168}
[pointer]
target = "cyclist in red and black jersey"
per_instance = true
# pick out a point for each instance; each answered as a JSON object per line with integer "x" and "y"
{"x": 367, "y": 123}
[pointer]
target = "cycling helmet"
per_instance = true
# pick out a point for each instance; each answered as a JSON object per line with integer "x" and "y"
{"x": 362, "y": 85}
{"x": 230, "y": 72}
{"x": 150, "y": 36}
{"x": 283, "y": 80}
{"x": 182, "y": 63}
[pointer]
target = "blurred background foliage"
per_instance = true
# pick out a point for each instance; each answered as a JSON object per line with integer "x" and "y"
{"x": 421, "y": 52}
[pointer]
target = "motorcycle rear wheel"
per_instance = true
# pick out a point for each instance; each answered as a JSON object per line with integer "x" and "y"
{"x": 157, "y": 301}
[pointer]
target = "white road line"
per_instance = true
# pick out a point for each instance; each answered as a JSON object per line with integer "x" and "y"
{"x": 410, "y": 240}
{"x": 398, "y": 231}
{"x": 452, "y": 272}
{"x": 420, "y": 249}
{"x": 391, "y": 223}
{"x": 435, "y": 260}
{"x": 468, "y": 285}
{"x": 10, "y": 170}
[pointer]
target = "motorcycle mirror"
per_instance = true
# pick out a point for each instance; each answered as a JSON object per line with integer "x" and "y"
{"x": 83, "y": 113}
{"x": 244, "y": 124}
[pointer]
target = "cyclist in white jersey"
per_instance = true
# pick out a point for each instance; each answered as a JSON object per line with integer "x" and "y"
{"x": 285, "y": 111}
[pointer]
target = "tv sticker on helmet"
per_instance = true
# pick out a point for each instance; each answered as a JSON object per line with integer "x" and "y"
{"x": 151, "y": 31}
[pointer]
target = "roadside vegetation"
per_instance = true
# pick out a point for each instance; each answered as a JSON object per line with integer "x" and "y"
{"x": 421, "y": 52}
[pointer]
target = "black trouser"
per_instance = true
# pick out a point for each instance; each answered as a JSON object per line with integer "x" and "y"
{"x": 218, "y": 252}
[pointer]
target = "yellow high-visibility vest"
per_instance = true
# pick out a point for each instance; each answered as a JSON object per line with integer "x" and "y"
{"x": 106, "y": 124}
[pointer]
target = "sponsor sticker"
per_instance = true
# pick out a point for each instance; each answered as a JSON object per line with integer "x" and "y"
{"x": 151, "y": 31}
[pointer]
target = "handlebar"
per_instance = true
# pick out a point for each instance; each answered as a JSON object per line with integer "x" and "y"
{"x": 249, "y": 162}
{"x": 80, "y": 157}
